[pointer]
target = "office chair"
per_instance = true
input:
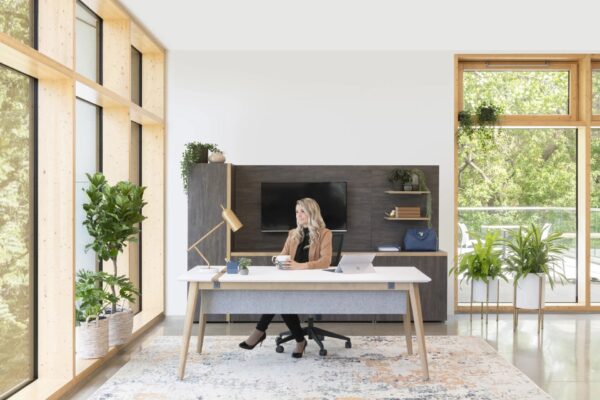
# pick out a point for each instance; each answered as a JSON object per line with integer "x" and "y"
{"x": 313, "y": 332}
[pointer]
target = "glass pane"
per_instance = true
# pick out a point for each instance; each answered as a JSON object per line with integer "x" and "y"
{"x": 595, "y": 217}
{"x": 135, "y": 248}
{"x": 16, "y": 229}
{"x": 526, "y": 176}
{"x": 17, "y": 20}
{"x": 87, "y": 159}
{"x": 518, "y": 92}
{"x": 596, "y": 91}
{"x": 136, "y": 76}
{"x": 88, "y": 31}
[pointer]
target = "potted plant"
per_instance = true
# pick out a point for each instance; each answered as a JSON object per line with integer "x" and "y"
{"x": 400, "y": 179}
{"x": 244, "y": 263}
{"x": 92, "y": 326}
{"x": 195, "y": 153}
{"x": 483, "y": 267}
{"x": 533, "y": 258}
{"x": 113, "y": 215}
{"x": 480, "y": 124}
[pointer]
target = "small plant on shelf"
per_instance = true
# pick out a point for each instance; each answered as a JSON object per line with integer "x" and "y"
{"x": 194, "y": 153}
{"x": 244, "y": 263}
{"x": 399, "y": 177}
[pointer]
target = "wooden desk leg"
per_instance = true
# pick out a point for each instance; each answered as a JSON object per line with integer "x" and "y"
{"x": 187, "y": 327}
{"x": 407, "y": 328}
{"x": 201, "y": 324}
{"x": 418, "y": 318}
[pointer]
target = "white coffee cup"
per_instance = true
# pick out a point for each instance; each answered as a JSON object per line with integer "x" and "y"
{"x": 281, "y": 261}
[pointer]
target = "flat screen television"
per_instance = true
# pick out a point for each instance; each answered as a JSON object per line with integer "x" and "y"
{"x": 278, "y": 202}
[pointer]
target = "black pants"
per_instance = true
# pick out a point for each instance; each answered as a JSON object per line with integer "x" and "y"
{"x": 291, "y": 320}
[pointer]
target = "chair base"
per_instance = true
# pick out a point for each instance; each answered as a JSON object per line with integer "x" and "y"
{"x": 314, "y": 333}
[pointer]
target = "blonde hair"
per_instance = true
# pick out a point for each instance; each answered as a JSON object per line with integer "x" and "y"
{"x": 315, "y": 220}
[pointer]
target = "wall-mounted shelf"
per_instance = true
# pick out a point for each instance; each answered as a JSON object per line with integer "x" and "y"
{"x": 405, "y": 192}
{"x": 407, "y": 219}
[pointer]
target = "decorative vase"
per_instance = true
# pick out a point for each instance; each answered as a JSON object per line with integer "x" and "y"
{"x": 480, "y": 290}
{"x": 408, "y": 187}
{"x": 92, "y": 338}
{"x": 528, "y": 292}
{"x": 244, "y": 271}
{"x": 120, "y": 326}
{"x": 216, "y": 157}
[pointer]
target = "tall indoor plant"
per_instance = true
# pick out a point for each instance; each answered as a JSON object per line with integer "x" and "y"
{"x": 194, "y": 153}
{"x": 113, "y": 215}
{"x": 483, "y": 267}
{"x": 533, "y": 258}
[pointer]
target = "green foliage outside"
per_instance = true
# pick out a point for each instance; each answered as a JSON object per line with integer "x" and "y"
{"x": 533, "y": 167}
{"x": 16, "y": 19}
{"x": 16, "y": 227}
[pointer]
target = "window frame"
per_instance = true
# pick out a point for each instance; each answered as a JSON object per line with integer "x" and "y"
{"x": 141, "y": 79}
{"x": 99, "y": 42}
{"x": 525, "y": 65}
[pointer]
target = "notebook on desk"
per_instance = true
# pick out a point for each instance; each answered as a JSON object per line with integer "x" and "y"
{"x": 355, "y": 264}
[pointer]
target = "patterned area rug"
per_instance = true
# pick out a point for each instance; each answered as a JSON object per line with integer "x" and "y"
{"x": 376, "y": 367}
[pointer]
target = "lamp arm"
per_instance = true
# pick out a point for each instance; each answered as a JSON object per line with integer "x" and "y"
{"x": 206, "y": 235}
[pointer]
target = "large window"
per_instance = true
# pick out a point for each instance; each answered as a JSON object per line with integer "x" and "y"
{"x": 135, "y": 248}
{"x": 518, "y": 176}
{"x": 17, "y": 230}
{"x": 17, "y": 19}
{"x": 89, "y": 43}
{"x": 136, "y": 76}
{"x": 88, "y": 157}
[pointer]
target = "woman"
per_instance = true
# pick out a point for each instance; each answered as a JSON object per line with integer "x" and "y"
{"x": 309, "y": 247}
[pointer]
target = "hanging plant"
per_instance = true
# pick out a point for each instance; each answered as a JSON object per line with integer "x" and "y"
{"x": 481, "y": 125}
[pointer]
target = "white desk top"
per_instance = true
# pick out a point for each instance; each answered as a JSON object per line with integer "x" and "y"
{"x": 271, "y": 274}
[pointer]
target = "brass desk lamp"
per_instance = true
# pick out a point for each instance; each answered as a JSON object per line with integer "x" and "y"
{"x": 233, "y": 223}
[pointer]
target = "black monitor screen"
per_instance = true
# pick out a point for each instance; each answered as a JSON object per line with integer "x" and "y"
{"x": 278, "y": 204}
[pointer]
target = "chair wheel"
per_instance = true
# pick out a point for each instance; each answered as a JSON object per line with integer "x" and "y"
{"x": 348, "y": 345}
{"x": 279, "y": 349}
{"x": 323, "y": 352}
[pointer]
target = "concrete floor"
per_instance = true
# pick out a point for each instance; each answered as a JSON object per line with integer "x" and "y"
{"x": 564, "y": 360}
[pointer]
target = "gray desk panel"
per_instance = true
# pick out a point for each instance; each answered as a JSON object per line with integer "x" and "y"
{"x": 303, "y": 302}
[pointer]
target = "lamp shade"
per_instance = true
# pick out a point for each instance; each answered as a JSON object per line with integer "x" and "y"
{"x": 232, "y": 220}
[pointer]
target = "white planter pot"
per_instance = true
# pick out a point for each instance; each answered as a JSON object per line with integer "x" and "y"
{"x": 120, "y": 326}
{"x": 480, "y": 289}
{"x": 92, "y": 339}
{"x": 216, "y": 157}
{"x": 528, "y": 292}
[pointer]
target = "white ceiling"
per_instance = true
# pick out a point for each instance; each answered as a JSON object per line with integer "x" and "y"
{"x": 455, "y": 25}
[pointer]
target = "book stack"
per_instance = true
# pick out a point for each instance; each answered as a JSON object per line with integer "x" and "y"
{"x": 388, "y": 247}
{"x": 408, "y": 212}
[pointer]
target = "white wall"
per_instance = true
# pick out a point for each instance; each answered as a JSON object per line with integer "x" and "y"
{"x": 328, "y": 107}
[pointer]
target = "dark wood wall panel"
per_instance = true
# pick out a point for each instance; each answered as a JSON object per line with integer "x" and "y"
{"x": 207, "y": 189}
{"x": 367, "y": 202}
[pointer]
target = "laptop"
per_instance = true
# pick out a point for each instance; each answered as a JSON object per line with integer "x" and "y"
{"x": 356, "y": 264}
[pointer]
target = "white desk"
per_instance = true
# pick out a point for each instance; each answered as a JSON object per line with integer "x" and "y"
{"x": 391, "y": 290}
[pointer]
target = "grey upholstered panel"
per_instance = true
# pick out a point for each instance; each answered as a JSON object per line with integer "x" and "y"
{"x": 303, "y": 302}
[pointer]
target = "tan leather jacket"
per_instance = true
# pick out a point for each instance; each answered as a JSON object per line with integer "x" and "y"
{"x": 319, "y": 253}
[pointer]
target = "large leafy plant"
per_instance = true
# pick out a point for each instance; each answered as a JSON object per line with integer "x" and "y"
{"x": 113, "y": 215}
{"x": 484, "y": 263}
{"x": 529, "y": 252}
{"x": 91, "y": 298}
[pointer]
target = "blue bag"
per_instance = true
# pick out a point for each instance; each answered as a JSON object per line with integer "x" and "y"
{"x": 420, "y": 240}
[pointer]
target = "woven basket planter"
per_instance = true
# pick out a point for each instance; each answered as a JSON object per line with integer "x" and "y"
{"x": 120, "y": 326}
{"x": 92, "y": 338}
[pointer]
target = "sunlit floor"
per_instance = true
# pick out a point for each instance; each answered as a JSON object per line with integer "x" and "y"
{"x": 564, "y": 360}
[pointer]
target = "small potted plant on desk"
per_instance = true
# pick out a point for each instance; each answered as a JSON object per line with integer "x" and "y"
{"x": 533, "y": 257}
{"x": 244, "y": 263}
{"x": 92, "y": 325}
{"x": 483, "y": 267}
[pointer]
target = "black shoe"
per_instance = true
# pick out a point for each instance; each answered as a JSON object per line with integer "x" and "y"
{"x": 299, "y": 355}
{"x": 246, "y": 346}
